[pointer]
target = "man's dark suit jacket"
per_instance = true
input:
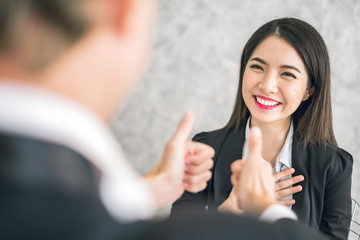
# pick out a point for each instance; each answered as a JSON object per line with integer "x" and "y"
{"x": 48, "y": 191}
{"x": 324, "y": 203}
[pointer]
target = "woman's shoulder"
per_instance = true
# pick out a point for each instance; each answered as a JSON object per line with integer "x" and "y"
{"x": 332, "y": 155}
{"x": 217, "y": 137}
{"x": 211, "y": 136}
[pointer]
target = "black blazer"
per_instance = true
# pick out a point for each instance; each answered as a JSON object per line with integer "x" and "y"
{"x": 48, "y": 191}
{"x": 324, "y": 203}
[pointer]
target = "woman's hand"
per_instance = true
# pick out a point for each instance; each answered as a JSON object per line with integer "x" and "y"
{"x": 283, "y": 189}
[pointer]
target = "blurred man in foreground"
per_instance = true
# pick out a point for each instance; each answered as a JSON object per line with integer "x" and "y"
{"x": 65, "y": 65}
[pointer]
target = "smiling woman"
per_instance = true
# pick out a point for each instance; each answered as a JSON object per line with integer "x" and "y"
{"x": 284, "y": 89}
{"x": 274, "y": 79}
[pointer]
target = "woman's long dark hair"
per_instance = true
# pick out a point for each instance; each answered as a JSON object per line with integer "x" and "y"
{"x": 313, "y": 118}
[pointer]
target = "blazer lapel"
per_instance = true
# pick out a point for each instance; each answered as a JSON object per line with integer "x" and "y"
{"x": 230, "y": 151}
{"x": 300, "y": 162}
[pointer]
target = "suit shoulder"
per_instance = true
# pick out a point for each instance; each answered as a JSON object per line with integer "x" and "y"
{"x": 339, "y": 153}
{"x": 333, "y": 155}
{"x": 211, "y": 136}
{"x": 31, "y": 162}
{"x": 342, "y": 159}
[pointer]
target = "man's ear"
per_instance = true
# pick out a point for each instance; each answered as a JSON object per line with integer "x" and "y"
{"x": 309, "y": 92}
{"x": 127, "y": 14}
{"x": 121, "y": 13}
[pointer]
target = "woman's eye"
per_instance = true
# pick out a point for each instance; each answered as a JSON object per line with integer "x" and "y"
{"x": 288, "y": 74}
{"x": 256, "y": 66}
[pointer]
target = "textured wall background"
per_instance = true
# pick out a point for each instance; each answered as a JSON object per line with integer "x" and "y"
{"x": 194, "y": 65}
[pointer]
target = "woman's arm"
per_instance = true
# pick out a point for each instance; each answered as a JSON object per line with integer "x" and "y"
{"x": 336, "y": 215}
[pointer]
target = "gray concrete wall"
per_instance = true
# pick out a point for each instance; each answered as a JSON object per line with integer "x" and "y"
{"x": 194, "y": 65}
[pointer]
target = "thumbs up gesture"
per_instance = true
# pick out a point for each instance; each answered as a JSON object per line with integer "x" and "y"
{"x": 184, "y": 165}
{"x": 253, "y": 180}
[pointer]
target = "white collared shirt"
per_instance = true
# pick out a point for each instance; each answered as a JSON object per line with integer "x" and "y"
{"x": 283, "y": 160}
{"x": 39, "y": 114}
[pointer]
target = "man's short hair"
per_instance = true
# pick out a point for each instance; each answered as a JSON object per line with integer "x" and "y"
{"x": 66, "y": 18}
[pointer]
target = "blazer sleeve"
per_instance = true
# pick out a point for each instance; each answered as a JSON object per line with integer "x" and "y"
{"x": 336, "y": 217}
{"x": 191, "y": 202}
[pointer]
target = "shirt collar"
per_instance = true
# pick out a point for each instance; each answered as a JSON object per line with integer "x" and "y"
{"x": 283, "y": 160}
{"x": 38, "y": 113}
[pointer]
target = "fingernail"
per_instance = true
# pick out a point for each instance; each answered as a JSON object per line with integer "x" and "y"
{"x": 187, "y": 116}
{"x": 299, "y": 188}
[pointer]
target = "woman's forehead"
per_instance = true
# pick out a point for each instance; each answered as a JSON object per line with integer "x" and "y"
{"x": 276, "y": 51}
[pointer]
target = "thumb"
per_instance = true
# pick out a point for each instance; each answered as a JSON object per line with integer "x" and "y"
{"x": 184, "y": 128}
{"x": 255, "y": 144}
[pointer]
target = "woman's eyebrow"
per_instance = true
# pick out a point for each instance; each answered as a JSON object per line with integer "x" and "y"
{"x": 259, "y": 60}
{"x": 282, "y": 66}
{"x": 291, "y": 67}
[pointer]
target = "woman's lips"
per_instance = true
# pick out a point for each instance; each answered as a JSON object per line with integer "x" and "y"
{"x": 265, "y": 103}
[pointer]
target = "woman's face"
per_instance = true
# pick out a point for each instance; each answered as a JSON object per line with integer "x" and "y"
{"x": 274, "y": 82}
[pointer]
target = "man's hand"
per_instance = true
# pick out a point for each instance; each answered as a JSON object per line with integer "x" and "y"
{"x": 184, "y": 165}
{"x": 282, "y": 189}
{"x": 255, "y": 186}
{"x": 232, "y": 204}
{"x": 198, "y": 162}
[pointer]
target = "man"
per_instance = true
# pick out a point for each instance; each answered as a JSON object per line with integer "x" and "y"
{"x": 65, "y": 65}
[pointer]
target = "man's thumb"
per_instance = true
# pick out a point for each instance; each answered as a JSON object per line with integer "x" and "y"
{"x": 255, "y": 144}
{"x": 184, "y": 128}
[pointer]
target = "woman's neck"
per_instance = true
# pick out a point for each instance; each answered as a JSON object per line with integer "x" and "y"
{"x": 274, "y": 136}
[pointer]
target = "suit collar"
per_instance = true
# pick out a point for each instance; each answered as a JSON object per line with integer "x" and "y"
{"x": 229, "y": 151}
{"x": 284, "y": 159}
{"x": 300, "y": 162}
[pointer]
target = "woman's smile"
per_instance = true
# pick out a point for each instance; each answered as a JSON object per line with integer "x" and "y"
{"x": 266, "y": 103}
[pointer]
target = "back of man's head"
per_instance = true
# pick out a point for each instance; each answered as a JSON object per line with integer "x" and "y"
{"x": 91, "y": 51}
{"x": 40, "y": 29}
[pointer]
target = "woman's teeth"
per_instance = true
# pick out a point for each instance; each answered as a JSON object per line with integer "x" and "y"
{"x": 266, "y": 102}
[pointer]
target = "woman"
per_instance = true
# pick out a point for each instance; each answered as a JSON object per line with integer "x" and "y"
{"x": 284, "y": 89}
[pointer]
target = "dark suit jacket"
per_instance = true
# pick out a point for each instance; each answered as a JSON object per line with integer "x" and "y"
{"x": 324, "y": 203}
{"x": 48, "y": 191}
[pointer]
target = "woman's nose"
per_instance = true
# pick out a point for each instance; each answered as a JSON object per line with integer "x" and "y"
{"x": 269, "y": 83}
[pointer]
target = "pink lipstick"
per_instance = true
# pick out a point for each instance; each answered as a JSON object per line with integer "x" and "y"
{"x": 265, "y": 103}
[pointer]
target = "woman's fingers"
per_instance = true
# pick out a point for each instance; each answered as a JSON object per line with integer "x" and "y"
{"x": 289, "y": 202}
{"x": 288, "y": 191}
{"x": 288, "y": 182}
{"x": 284, "y": 173}
{"x": 283, "y": 188}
